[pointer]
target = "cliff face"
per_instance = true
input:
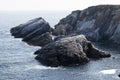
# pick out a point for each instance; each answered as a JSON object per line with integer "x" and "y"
{"x": 96, "y": 23}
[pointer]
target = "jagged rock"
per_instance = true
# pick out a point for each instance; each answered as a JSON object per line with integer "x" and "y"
{"x": 34, "y": 32}
{"x": 96, "y": 23}
{"x": 68, "y": 51}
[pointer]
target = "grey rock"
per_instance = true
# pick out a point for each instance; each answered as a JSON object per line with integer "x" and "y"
{"x": 34, "y": 32}
{"x": 68, "y": 51}
{"x": 97, "y": 23}
{"x": 67, "y": 25}
{"x": 63, "y": 36}
{"x": 38, "y": 40}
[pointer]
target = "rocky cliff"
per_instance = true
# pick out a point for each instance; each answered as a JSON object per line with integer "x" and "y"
{"x": 96, "y": 23}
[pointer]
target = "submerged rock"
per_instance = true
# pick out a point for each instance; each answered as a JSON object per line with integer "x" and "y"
{"x": 96, "y": 23}
{"x": 68, "y": 51}
{"x": 119, "y": 75}
{"x": 35, "y": 32}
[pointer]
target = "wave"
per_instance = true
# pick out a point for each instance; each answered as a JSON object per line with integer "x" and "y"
{"x": 41, "y": 67}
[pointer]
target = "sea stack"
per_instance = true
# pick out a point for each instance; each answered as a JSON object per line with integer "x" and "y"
{"x": 69, "y": 51}
{"x": 35, "y": 32}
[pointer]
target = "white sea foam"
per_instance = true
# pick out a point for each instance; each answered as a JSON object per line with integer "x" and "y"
{"x": 41, "y": 67}
{"x": 110, "y": 71}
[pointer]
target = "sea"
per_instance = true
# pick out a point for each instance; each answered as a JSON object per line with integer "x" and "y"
{"x": 17, "y": 58}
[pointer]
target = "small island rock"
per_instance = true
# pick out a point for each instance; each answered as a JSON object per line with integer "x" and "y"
{"x": 68, "y": 51}
{"x": 35, "y": 32}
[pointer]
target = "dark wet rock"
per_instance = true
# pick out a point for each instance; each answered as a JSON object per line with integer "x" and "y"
{"x": 34, "y": 32}
{"x": 93, "y": 52}
{"x": 68, "y": 51}
{"x": 96, "y": 23}
{"x": 119, "y": 75}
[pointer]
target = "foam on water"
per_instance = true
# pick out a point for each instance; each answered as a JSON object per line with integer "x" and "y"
{"x": 110, "y": 71}
{"x": 41, "y": 67}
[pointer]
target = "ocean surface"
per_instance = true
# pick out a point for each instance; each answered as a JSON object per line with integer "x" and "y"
{"x": 17, "y": 59}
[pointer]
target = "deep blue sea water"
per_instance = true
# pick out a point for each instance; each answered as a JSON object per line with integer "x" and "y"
{"x": 17, "y": 60}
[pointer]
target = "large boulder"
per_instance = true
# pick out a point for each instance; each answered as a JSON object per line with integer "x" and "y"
{"x": 35, "y": 32}
{"x": 96, "y": 23}
{"x": 68, "y": 51}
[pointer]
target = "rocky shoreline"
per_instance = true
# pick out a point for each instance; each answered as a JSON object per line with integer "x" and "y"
{"x": 62, "y": 50}
{"x": 71, "y": 45}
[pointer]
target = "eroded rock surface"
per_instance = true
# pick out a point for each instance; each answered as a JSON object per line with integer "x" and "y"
{"x": 38, "y": 40}
{"x": 35, "y": 32}
{"x": 68, "y": 51}
{"x": 96, "y": 23}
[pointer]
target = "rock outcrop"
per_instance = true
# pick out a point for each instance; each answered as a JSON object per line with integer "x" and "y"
{"x": 70, "y": 48}
{"x": 96, "y": 23}
{"x": 68, "y": 51}
{"x": 35, "y": 32}
{"x": 38, "y": 40}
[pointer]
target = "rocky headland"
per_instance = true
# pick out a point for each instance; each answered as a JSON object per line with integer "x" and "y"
{"x": 71, "y": 44}
{"x": 97, "y": 23}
